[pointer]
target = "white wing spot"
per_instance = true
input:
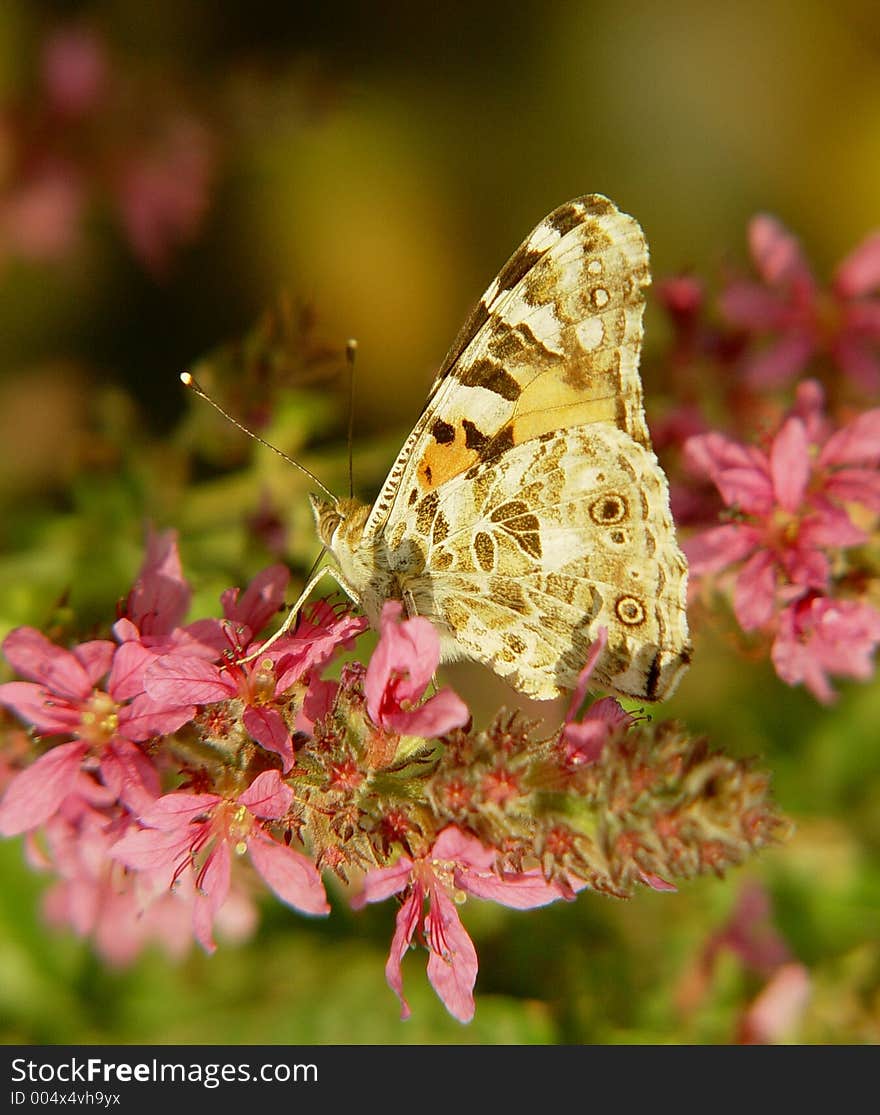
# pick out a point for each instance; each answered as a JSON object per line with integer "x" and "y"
{"x": 541, "y": 320}
{"x": 600, "y": 296}
{"x": 590, "y": 333}
{"x": 594, "y": 267}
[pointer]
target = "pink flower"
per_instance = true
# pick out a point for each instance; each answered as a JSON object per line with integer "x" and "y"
{"x": 457, "y": 862}
{"x": 75, "y": 71}
{"x": 163, "y": 194}
{"x": 777, "y": 1010}
{"x": 797, "y": 319}
{"x": 400, "y": 669}
{"x": 40, "y": 217}
{"x": 818, "y": 636}
{"x": 262, "y": 684}
{"x": 180, "y": 828}
{"x": 106, "y": 724}
{"x": 791, "y": 505}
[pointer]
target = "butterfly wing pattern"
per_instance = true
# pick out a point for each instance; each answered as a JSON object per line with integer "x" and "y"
{"x": 527, "y": 509}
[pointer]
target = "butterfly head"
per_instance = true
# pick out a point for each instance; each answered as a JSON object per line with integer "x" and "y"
{"x": 338, "y": 521}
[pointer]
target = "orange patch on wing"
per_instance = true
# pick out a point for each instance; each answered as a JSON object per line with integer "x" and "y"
{"x": 440, "y": 463}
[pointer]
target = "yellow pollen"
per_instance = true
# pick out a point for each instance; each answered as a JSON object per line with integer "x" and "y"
{"x": 99, "y": 719}
{"x": 241, "y": 847}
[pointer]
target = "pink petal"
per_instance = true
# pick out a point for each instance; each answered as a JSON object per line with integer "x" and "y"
{"x": 141, "y": 720}
{"x": 176, "y": 810}
{"x": 36, "y": 705}
{"x": 404, "y": 927}
{"x": 719, "y": 547}
{"x": 129, "y": 666}
{"x": 37, "y": 792}
{"x": 712, "y": 454}
{"x": 382, "y": 882}
{"x": 160, "y": 598}
{"x": 583, "y": 682}
{"x": 402, "y": 664}
{"x": 455, "y": 846}
{"x": 205, "y": 638}
{"x": 519, "y": 891}
{"x": 213, "y": 890}
{"x": 790, "y": 464}
{"x": 776, "y": 253}
{"x": 95, "y": 657}
{"x": 30, "y": 653}
{"x": 291, "y": 875}
{"x": 855, "y": 485}
{"x": 857, "y": 360}
{"x": 754, "y": 597}
{"x": 267, "y": 796}
{"x": 857, "y": 443}
{"x": 829, "y": 526}
{"x": 127, "y": 771}
{"x": 656, "y": 882}
{"x": 753, "y": 307}
{"x": 315, "y": 643}
{"x": 318, "y": 702}
{"x": 862, "y": 317}
{"x": 267, "y": 727}
{"x": 859, "y": 273}
{"x": 809, "y": 406}
{"x": 453, "y": 972}
{"x": 780, "y": 361}
{"x": 177, "y": 680}
{"x": 779, "y": 1007}
{"x": 262, "y": 599}
{"x": 124, "y": 631}
{"x": 438, "y": 715}
{"x": 152, "y": 850}
{"x": 805, "y": 568}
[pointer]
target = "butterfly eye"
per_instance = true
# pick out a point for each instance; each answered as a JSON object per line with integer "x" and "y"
{"x": 327, "y": 518}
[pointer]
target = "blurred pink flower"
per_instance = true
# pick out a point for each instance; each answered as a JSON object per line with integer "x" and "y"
{"x": 163, "y": 193}
{"x": 75, "y": 70}
{"x": 400, "y": 669}
{"x": 181, "y": 827}
{"x": 791, "y": 503}
{"x": 796, "y": 319}
{"x": 40, "y": 216}
{"x": 774, "y": 1014}
{"x": 457, "y": 862}
{"x": 818, "y": 636}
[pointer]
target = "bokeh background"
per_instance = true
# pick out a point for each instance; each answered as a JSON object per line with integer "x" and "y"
{"x": 237, "y": 189}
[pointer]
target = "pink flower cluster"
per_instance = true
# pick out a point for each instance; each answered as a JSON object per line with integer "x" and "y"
{"x": 90, "y": 133}
{"x": 786, "y": 526}
{"x": 137, "y": 861}
{"x": 793, "y": 320}
{"x": 798, "y": 508}
{"x": 180, "y": 768}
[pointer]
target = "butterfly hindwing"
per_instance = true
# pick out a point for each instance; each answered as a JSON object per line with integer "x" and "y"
{"x": 527, "y": 556}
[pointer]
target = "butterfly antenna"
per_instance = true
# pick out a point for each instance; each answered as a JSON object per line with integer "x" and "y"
{"x": 350, "y": 353}
{"x": 189, "y": 381}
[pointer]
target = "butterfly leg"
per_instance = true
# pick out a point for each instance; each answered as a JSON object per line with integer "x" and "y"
{"x": 293, "y": 614}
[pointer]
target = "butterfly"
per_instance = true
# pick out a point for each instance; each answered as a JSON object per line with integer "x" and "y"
{"x": 526, "y": 509}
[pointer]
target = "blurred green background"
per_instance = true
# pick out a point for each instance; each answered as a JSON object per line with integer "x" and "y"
{"x": 363, "y": 171}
